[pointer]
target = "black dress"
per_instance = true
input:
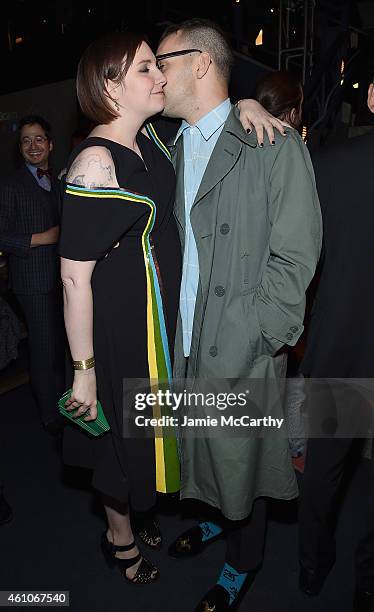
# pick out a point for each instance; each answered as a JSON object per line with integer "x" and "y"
{"x": 132, "y": 234}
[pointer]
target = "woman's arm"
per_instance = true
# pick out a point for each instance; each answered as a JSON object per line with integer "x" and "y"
{"x": 78, "y": 314}
{"x": 92, "y": 168}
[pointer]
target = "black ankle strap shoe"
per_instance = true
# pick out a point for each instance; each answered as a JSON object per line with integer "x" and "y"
{"x": 146, "y": 572}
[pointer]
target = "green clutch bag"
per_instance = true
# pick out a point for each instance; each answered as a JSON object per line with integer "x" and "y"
{"x": 97, "y": 427}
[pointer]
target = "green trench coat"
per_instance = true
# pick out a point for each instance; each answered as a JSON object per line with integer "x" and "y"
{"x": 257, "y": 225}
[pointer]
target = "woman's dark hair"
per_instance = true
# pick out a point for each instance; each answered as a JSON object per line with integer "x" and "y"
{"x": 31, "y": 120}
{"x": 108, "y": 58}
{"x": 279, "y": 93}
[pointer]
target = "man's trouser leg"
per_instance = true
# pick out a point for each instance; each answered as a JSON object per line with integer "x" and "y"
{"x": 365, "y": 550}
{"x": 324, "y": 468}
{"x": 245, "y": 539}
{"x": 43, "y": 313}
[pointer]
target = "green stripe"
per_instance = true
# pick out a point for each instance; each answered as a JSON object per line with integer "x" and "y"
{"x": 171, "y": 459}
{"x": 170, "y": 454}
{"x": 158, "y": 140}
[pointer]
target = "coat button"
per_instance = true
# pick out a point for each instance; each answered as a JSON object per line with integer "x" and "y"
{"x": 219, "y": 291}
{"x": 213, "y": 351}
{"x": 225, "y": 228}
{"x": 294, "y": 329}
{"x": 289, "y": 336}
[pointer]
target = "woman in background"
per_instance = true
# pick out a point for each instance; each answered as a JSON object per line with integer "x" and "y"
{"x": 281, "y": 94}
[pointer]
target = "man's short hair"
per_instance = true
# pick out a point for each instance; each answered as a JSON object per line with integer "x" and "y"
{"x": 207, "y": 36}
{"x": 31, "y": 120}
{"x": 104, "y": 60}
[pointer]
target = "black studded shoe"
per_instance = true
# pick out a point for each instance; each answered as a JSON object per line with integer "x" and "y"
{"x": 146, "y": 572}
{"x": 149, "y": 532}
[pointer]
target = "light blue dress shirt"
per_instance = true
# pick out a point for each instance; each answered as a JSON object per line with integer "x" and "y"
{"x": 43, "y": 181}
{"x": 199, "y": 141}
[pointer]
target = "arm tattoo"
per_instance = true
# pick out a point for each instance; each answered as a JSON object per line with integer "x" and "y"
{"x": 91, "y": 172}
{"x": 78, "y": 180}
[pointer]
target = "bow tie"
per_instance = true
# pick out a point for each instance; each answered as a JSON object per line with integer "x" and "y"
{"x": 40, "y": 172}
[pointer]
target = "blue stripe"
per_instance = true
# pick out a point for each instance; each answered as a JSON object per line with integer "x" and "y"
{"x": 152, "y": 135}
{"x": 111, "y": 190}
{"x": 160, "y": 309}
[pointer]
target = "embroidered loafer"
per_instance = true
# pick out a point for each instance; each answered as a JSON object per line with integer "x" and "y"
{"x": 216, "y": 600}
{"x": 190, "y": 543}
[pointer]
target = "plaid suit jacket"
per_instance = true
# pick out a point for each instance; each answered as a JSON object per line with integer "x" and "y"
{"x": 26, "y": 209}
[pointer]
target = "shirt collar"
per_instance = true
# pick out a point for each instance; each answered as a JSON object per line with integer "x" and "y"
{"x": 210, "y": 123}
{"x": 33, "y": 170}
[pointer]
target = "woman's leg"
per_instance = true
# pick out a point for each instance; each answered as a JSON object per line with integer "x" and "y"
{"x": 119, "y": 531}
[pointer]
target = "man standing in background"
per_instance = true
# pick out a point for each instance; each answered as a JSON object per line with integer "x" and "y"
{"x": 340, "y": 346}
{"x": 29, "y": 232}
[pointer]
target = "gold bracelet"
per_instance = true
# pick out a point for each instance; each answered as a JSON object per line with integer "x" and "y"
{"x": 85, "y": 364}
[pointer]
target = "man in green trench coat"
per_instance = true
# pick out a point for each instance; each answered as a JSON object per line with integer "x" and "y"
{"x": 250, "y": 226}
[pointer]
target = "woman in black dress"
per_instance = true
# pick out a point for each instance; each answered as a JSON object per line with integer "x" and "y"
{"x": 121, "y": 273}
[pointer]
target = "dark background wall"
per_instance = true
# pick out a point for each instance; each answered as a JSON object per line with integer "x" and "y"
{"x": 56, "y": 102}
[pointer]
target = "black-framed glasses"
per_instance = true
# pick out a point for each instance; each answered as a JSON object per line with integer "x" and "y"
{"x": 164, "y": 56}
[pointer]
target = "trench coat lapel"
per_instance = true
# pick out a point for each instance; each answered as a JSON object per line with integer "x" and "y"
{"x": 223, "y": 158}
{"x": 205, "y": 207}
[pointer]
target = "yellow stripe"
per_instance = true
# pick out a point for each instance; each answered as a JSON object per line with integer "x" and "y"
{"x": 153, "y": 371}
{"x": 117, "y": 196}
{"x": 160, "y": 456}
{"x": 158, "y": 140}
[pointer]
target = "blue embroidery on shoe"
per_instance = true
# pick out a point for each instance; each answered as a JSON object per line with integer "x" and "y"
{"x": 210, "y": 530}
{"x": 232, "y": 581}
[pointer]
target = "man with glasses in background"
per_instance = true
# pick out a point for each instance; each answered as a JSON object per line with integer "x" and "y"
{"x": 29, "y": 232}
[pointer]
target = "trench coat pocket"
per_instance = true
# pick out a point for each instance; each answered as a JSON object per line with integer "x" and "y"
{"x": 270, "y": 328}
{"x": 261, "y": 342}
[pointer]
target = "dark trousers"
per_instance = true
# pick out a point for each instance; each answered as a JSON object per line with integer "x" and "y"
{"x": 334, "y": 408}
{"x": 43, "y": 314}
{"x": 325, "y": 465}
{"x": 319, "y": 496}
{"x": 246, "y": 539}
{"x": 365, "y": 549}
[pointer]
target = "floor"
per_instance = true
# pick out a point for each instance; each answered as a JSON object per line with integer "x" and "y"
{"x": 53, "y": 540}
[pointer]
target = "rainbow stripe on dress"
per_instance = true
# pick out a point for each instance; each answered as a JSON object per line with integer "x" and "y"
{"x": 159, "y": 363}
{"x": 153, "y": 136}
